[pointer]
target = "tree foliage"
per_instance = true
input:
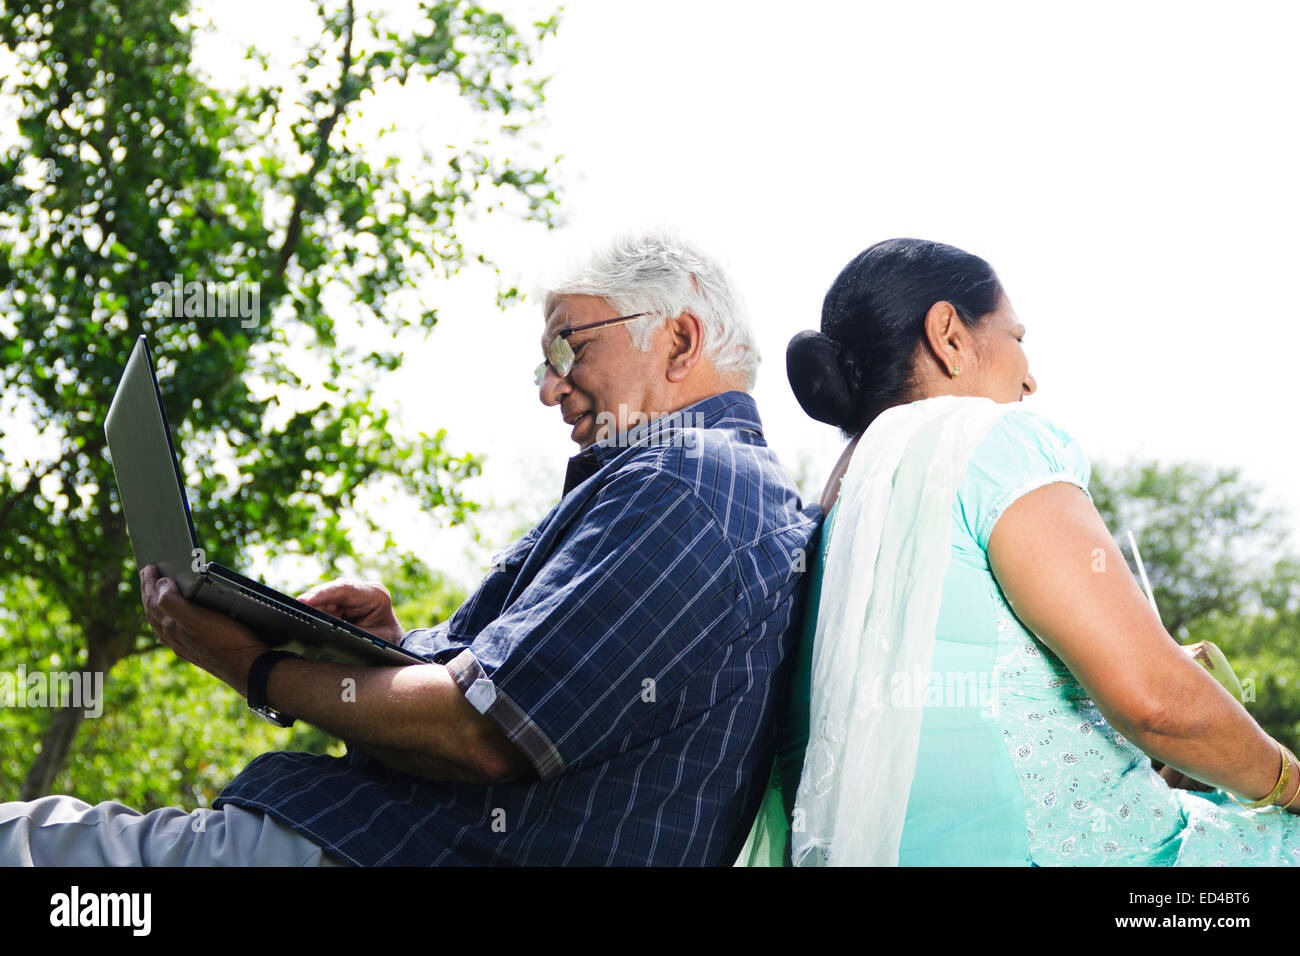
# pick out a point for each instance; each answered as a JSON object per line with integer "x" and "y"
{"x": 129, "y": 170}
{"x": 132, "y": 751}
{"x": 1207, "y": 542}
{"x": 1221, "y": 568}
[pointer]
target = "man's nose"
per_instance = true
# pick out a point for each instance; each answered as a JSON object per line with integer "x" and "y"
{"x": 553, "y": 388}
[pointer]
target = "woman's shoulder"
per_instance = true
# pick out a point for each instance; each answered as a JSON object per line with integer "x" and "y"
{"x": 1023, "y": 451}
{"x": 1026, "y": 419}
{"x": 1024, "y": 436}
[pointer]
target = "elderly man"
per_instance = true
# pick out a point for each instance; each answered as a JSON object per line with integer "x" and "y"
{"x": 608, "y": 694}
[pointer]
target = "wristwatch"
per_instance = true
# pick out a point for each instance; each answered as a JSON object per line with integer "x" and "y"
{"x": 257, "y": 678}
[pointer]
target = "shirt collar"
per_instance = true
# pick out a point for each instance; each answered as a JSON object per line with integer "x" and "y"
{"x": 734, "y": 409}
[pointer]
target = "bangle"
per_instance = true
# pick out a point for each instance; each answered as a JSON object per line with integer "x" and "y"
{"x": 1287, "y": 805}
{"x": 1282, "y": 780}
{"x": 1295, "y": 766}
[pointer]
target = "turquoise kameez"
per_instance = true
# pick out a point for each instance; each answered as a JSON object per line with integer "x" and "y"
{"x": 1015, "y": 764}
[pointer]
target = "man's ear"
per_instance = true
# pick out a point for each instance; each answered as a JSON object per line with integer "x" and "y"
{"x": 685, "y": 345}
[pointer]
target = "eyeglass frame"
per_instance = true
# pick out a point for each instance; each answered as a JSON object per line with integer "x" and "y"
{"x": 562, "y": 337}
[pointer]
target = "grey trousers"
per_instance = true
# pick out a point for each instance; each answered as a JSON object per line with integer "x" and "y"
{"x": 64, "y": 831}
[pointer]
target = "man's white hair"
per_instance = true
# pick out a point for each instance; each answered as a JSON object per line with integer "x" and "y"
{"x": 656, "y": 271}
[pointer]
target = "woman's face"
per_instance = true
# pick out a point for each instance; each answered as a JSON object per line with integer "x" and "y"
{"x": 1003, "y": 369}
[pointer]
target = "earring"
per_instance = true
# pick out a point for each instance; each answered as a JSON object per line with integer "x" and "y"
{"x": 955, "y": 370}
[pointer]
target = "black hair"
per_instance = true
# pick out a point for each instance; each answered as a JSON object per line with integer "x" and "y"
{"x": 873, "y": 319}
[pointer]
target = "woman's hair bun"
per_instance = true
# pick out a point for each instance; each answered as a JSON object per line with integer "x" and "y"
{"x": 816, "y": 366}
{"x": 873, "y": 322}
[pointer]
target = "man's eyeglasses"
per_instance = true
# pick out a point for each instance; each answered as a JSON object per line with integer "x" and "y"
{"x": 559, "y": 354}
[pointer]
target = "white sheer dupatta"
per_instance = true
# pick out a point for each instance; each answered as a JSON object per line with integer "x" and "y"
{"x": 881, "y": 591}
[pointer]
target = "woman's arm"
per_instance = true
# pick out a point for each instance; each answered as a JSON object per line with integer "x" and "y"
{"x": 1067, "y": 581}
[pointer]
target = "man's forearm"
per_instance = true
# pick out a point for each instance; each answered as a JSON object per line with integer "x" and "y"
{"x": 414, "y": 718}
{"x": 421, "y": 765}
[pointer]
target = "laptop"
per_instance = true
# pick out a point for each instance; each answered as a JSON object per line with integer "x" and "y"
{"x": 162, "y": 533}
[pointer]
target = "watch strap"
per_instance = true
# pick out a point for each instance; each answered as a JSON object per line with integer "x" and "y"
{"x": 258, "y": 676}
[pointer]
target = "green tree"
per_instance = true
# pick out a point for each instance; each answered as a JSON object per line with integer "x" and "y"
{"x": 1221, "y": 568}
{"x": 129, "y": 168}
{"x": 131, "y": 748}
{"x": 1208, "y": 544}
{"x": 1263, "y": 647}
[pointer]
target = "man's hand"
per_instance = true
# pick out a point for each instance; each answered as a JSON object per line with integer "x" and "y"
{"x": 367, "y": 604}
{"x": 208, "y": 639}
{"x": 412, "y": 718}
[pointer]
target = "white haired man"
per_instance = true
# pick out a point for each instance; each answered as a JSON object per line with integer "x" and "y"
{"x": 608, "y": 695}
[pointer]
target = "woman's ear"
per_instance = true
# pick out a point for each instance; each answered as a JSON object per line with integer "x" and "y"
{"x": 950, "y": 343}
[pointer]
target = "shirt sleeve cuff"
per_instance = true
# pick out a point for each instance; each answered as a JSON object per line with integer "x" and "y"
{"x": 494, "y": 704}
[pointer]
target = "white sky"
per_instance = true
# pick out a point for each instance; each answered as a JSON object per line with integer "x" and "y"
{"x": 1129, "y": 170}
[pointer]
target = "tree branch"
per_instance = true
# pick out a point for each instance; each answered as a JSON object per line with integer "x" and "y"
{"x": 293, "y": 232}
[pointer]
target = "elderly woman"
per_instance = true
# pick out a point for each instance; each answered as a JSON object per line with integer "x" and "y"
{"x": 983, "y": 681}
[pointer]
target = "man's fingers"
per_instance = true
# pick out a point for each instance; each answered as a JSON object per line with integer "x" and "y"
{"x": 165, "y": 608}
{"x": 162, "y": 597}
{"x": 331, "y": 592}
{"x": 148, "y": 585}
{"x": 321, "y": 601}
{"x": 345, "y": 595}
{"x": 171, "y": 602}
{"x": 149, "y": 597}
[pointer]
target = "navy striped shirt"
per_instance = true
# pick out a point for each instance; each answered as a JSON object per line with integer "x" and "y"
{"x": 634, "y": 645}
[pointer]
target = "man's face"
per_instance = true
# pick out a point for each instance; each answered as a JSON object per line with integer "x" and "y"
{"x": 610, "y": 382}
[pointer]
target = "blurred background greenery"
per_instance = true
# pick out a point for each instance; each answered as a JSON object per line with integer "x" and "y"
{"x": 170, "y": 734}
{"x": 1222, "y": 569}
